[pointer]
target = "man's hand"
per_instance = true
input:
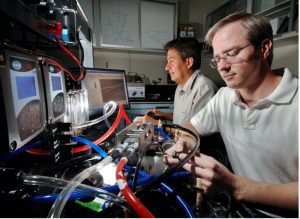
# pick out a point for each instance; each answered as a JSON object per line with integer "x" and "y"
{"x": 213, "y": 174}
{"x": 145, "y": 119}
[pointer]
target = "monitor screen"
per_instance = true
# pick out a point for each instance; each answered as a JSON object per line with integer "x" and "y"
{"x": 104, "y": 85}
{"x": 25, "y": 86}
{"x": 56, "y": 83}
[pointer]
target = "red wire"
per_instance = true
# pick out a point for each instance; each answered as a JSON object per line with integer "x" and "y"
{"x": 63, "y": 68}
{"x": 121, "y": 114}
{"x": 111, "y": 129}
{"x": 38, "y": 151}
{"x": 73, "y": 57}
{"x": 125, "y": 116}
{"x": 80, "y": 149}
{"x": 132, "y": 200}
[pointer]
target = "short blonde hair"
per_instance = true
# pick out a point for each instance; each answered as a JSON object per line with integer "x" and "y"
{"x": 258, "y": 29}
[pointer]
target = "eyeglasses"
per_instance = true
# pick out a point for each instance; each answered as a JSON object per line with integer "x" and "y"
{"x": 228, "y": 56}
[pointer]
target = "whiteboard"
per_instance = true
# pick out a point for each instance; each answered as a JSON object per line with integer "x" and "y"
{"x": 137, "y": 24}
{"x": 157, "y": 24}
{"x": 119, "y": 21}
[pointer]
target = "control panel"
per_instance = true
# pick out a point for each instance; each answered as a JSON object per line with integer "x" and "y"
{"x": 23, "y": 95}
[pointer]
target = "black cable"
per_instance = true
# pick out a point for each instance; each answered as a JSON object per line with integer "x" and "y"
{"x": 172, "y": 169}
{"x": 30, "y": 52}
{"x": 82, "y": 53}
{"x": 139, "y": 164}
{"x": 44, "y": 87}
{"x": 80, "y": 47}
{"x": 68, "y": 163}
{"x": 137, "y": 169}
{"x": 175, "y": 126}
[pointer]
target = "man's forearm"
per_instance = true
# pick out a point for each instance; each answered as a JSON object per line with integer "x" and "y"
{"x": 167, "y": 116}
{"x": 276, "y": 195}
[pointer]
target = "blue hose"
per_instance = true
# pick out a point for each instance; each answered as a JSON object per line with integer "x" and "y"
{"x": 145, "y": 179}
{"x": 23, "y": 149}
{"x": 165, "y": 135}
{"x": 101, "y": 152}
{"x": 186, "y": 208}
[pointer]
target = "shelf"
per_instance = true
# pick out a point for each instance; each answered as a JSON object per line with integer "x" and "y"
{"x": 284, "y": 39}
{"x": 279, "y": 9}
{"x": 276, "y": 10}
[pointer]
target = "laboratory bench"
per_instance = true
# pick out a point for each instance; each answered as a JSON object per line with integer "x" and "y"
{"x": 160, "y": 97}
{"x": 140, "y": 107}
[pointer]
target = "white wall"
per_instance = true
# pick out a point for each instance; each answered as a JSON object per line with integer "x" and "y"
{"x": 198, "y": 10}
{"x": 150, "y": 64}
{"x": 287, "y": 56}
{"x": 190, "y": 11}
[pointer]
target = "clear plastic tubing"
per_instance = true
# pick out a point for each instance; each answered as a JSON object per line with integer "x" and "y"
{"x": 53, "y": 182}
{"x": 107, "y": 114}
{"x": 63, "y": 197}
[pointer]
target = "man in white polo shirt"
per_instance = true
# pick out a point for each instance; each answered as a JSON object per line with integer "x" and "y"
{"x": 256, "y": 115}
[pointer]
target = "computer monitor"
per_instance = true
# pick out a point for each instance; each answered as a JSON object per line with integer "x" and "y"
{"x": 104, "y": 85}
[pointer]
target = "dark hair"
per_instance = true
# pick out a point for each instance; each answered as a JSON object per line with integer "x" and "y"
{"x": 258, "y": 29}
{"x": 187, "y": 47}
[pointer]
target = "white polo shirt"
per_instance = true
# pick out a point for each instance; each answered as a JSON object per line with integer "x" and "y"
{"x": 193, "y": 96}
{"x": 262, "y": 140}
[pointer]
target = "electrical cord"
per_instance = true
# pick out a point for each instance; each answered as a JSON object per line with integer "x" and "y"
{"x": 139, "y": 164}
{"x": 80, "y": 46}
{"x": 88, "y": 144}
{"x": 165, "y": 188}
{"x": 42, "y": 57}
{"x": 175, "y": 126}
{"x": 68, "y": 163}
{"x": 175, "y": 167}
{"x": 121, "y": 114}
{"x": 137, "y": 169}
{"x": 82, "y": 68}
{"x": 171, "y": 170}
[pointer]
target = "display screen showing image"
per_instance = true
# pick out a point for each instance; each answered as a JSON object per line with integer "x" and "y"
{"x": 56, "y": 83}
{"x": 112, "y": 89}
{"x": 104, "y": 85}
{"x": 25, "y": 87}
